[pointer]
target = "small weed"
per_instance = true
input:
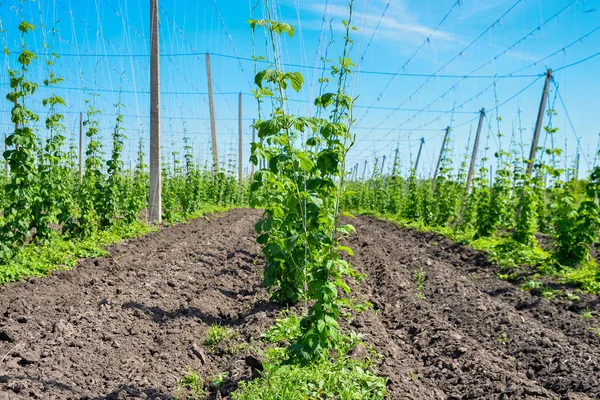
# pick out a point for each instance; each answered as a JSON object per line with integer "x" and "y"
{"x": 193, "y": 387}
{"x": 190, "y": 387}
{"x": 335, "y": 378}
{"x": 503, "y": 339}
{"x": 548, "y": 293}
{"x": 531, "y": 285}
{"x": 596, "y": 330}
{"x": 587, "y": 314}
{"x": 286, "y": 329}
{"x": 509, "y": 277}
{"x": 218, "y": 380}
{"x": 419, "y": 279}
{"x": 217, "y": 334}
{"x": 573, "y": 297}
{"x": 413, "y": 375}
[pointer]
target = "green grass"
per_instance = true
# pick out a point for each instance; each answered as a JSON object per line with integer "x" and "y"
{"x": 508, "y": 254}
{"x": 337, "y": 377}
{"x": 64, "y": 253}
{"x": 285, "y": 329}
{"x": 191, "y": 387}
{"x": 587, "y": 314}
{"x": 216, "y": 335}
{"x": 419, "y": 278}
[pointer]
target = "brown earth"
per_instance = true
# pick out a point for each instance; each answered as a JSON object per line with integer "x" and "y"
{"x": 129, "y": 325}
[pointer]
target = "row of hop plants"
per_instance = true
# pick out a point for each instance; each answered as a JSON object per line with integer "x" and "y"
{"x": 42, "y": 194}
{"x": 301, "y": 164}
{"x": 513, "y": 204}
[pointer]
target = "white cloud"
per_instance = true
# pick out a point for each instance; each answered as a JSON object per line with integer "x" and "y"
{"x": 397, "y": 25}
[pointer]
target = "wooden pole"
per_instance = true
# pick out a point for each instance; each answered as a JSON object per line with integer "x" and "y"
{"x": 439, "y": 161}
{"x": 475, "y": 146}
{"x": 364, "y": 171}
{"x": 240, "y": 155}
{"x": 155, "y": 212}
{"x": 213, "y": 128}
{"x": 6, "y": 160}
{"x": 382, "y": 164}
{"x": 80, "y": 147}
{"x": 419, "y": 154}
{"x": 538, "y": 124}
{"x": 253, "y": 140}
{"x": 577, "y": 161}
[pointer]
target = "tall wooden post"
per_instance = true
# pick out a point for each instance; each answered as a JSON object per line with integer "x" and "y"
{"x": 538, "y": 124}
{"x": 364, "y": 171}
{"x": 382, "y": 164}
{"x": 240, "y": 151}
{"x": 155, "y": 167}
{"x": 439, "y": 161}
{"x": 475, "y": 146}
{"x": 213, "y": 128}
{"x": 253, "y": 140}
{"x": 6, "y": 160}
{"x": 419, "y": 154}
{"x": 577, "y": 157}
{"x": 375, "y": 165}
{"x": 80, "y": 147}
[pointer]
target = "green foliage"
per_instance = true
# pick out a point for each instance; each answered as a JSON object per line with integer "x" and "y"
{"x": 341, "y": 378}
{"x": 217, "y": 334}
{"x": 284, "y": 329}
{"x": 61, "y": 252}
{"x": 91, "y": 189}
{"x": 300, "y": 189}
{"x": 527, "y": 221}
{"x": 419, "y": 279}
{"x": 137, "y": 195}
{"x": 112, "y": 189}
{"x": 53, "y": 204}
{"x": 191, "y": 387}
{"x": 21, "y": 190}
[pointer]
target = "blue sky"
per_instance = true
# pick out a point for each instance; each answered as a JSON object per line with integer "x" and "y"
{"x": 111, "y": 39}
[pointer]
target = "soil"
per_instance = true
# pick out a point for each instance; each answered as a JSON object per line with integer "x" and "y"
{"x": 129, "y": 325}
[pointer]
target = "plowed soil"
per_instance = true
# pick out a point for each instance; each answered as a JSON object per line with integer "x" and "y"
{"x": 129, "y": 325}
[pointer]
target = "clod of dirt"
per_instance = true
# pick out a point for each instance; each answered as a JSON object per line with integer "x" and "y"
{"x": 253, "y": 362}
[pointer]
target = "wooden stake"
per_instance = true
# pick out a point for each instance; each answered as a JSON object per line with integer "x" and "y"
{"x": 419, "y": 154}
{"x": 538, "y": 124}
{"x": 364, "y": 171}
{"x": 439, "y": 161}
{"x": 80, "y": 147}
{"x": 5, "y": 160}
{"x": 253, "y": 140}
{"x": 475, "y": 146}
{"x": 240, "y": 155}
{"x": 155, "y": 212}
{"x": 213, "y": 128}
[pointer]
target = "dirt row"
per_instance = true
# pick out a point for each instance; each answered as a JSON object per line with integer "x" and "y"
{"x": 129, "y": 325}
